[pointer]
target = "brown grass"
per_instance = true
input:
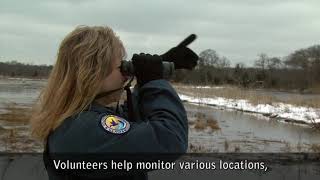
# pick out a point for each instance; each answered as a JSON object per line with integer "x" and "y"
{"x": 232, "y": 92}
{"x": 202, "y": 122}
{"x": 15, "y": 113}
{"x": 315, "y": 89}
{"x": 201, "y": 125}
{"x": 197, "y": 149}
{"x": 213, "y": 124}
{"x": 315, "y": 148}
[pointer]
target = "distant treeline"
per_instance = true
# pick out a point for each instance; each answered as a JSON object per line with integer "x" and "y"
{"x": 299, "y": 70}
{"x": 16, "y": 69}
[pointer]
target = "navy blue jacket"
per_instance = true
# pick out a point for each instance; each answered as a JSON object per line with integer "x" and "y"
{"x": 159, "y": 126}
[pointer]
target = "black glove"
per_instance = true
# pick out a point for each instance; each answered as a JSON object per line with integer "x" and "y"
{"x": 181, "y": 55}
{"x": 147, "y": 67}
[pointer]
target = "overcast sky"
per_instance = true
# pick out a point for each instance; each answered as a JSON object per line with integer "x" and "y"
{"x": 31, "y": 30}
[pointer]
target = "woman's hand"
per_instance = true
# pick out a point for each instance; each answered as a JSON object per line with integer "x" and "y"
{"x": 181, "y": 55}
{"x": 147, "y": 67}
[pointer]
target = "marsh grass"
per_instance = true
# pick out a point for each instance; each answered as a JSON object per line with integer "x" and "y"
{"x": 315, "y": 125}
{"x": 193, "y": 148}
{"x": 315, "y": 89}
{"x": 202, "y": 122}
{"x": 14, "y": 138}
{"x": 315, "y": 148}
{"x": 232, "y": 92}
{"x": 213, "y": 124}
{"x": 15, "y": 113}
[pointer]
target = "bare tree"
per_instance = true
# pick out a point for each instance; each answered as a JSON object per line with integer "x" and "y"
{"x": 274, "y": 63}
{"x": 224, "y": 62}
{"x": 262, "y": 61}
{"x": 208, "y": 57}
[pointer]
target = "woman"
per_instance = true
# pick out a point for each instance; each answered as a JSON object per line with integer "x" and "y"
{"x": 69, "y": 118}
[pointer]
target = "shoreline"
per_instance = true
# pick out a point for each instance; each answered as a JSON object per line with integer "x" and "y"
{"x": 279, "y": 111}
{"x": 291, "y": 91}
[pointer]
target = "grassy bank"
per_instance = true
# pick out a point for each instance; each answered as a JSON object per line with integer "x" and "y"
{"x": 15, "y": 113}
{"x": 232, "y": 92}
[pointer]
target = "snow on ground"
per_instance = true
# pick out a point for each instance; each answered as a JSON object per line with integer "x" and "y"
{"x": 203, "y": 87}
{"x": 279, "y": 110}
{"x": 207, "y": 87}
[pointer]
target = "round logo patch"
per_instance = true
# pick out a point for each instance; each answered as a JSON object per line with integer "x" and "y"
{"x": 115, "y": 124}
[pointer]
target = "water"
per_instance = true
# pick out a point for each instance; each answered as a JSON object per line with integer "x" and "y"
{"x": 239, "y": 131}
{"x": 251, "y": 133}
{"x": 19, "y": 91}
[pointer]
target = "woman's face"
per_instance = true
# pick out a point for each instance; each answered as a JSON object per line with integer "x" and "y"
{"x": 115, "y": 80}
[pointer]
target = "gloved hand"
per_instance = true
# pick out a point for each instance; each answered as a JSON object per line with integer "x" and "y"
{"x": 147, "y": 67}
{"x": 181, "y": 55}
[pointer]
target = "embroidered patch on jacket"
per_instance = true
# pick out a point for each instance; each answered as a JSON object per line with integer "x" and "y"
{"x": 115, "y": 124}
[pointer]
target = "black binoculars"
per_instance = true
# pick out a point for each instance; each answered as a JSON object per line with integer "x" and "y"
{"x": 127, "y": 68}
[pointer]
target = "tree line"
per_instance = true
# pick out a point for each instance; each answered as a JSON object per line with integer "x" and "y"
{"x": 17, "y": 69}
{"x": 300, "y": 70}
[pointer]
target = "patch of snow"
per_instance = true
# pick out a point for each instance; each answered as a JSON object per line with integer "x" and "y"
{"x": 208, "y": 87}
{"x": 203, "y": 87}
{"x": 287, "y": 111}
